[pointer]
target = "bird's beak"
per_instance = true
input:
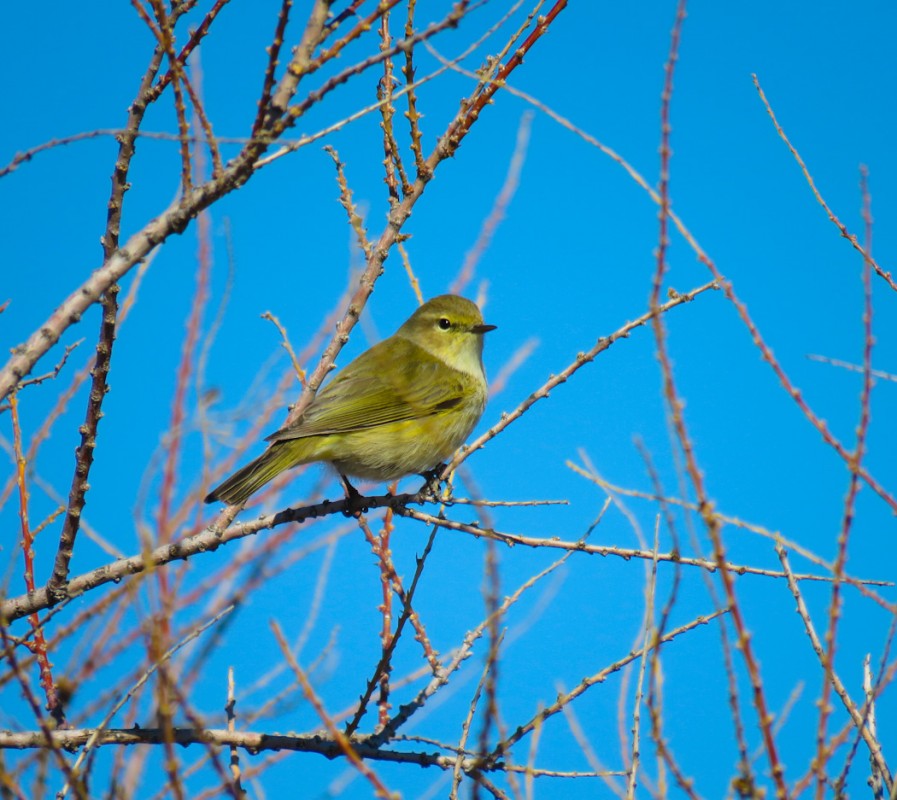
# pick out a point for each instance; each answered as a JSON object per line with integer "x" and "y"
{"x": 483, "y": 328}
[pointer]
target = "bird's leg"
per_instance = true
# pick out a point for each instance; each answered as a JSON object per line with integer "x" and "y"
{"x": 433, "y": 485}
{"x": 354, "y": 503}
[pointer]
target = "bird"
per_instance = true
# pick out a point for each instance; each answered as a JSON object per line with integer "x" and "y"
{"x": 400, "y": 408}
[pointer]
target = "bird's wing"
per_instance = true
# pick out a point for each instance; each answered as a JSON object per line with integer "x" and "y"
{"x": 369, "y": 392}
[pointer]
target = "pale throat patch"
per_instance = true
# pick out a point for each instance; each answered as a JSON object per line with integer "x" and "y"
{"x": 465, "y": 357}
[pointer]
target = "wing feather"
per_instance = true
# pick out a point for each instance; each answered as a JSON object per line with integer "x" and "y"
{"x": 368, "y": 392}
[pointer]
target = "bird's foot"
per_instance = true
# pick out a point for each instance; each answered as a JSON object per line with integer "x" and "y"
{"x": 432, "y": 488}
{"x": 355, "y": 504}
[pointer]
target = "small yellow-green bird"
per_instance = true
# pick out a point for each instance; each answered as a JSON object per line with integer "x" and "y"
{"x": 400, "y": 408}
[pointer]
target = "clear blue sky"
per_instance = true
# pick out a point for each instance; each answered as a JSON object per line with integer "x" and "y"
{"x": 572, "y": 261}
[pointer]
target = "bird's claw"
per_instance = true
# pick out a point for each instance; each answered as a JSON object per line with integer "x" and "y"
{"x": 432, "y": 488}
{"x": 355, "y": 504}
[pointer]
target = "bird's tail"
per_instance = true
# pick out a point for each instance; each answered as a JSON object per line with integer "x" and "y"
{"x": 249, "y": 479}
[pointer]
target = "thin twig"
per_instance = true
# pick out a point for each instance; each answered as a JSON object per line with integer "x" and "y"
{"x": 863, "y": 251}
{"x": 857, "y": 718}
{"x": 54, "y": 705}
{"x": 297, "y": 367}
{"x": 580, "y": 361}
{"x": 599, "y": 677}
{"x": 342, "y": 741}
{"x": 95, "y": 735}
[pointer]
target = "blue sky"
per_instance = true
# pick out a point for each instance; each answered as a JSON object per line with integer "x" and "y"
{"x": 572, "y": 261}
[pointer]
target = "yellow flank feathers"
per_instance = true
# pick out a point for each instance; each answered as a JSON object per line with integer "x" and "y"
{"x": 400, "y": 408}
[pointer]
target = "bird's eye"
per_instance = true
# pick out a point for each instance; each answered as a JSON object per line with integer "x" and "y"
{"x": 444, "y": 324}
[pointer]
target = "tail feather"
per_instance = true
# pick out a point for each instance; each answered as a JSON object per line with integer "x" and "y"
{"x": 249, "y": 479}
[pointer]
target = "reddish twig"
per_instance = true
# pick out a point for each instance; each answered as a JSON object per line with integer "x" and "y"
{"x": 392, "y": 157}
{"x": 163, "y": 30}
{"x": 184, "y": 372}
{"x": 412, "y": 114}
{"x": 675, "y": 406}
{"x": 303, "y": 63}
{"x": 342, "y": 741}
{"x": 491, "y": 592}
{"x": 196, "y": 36}
{"x": 408, "y": 614}
{"x": 45, "y": 737}
{"x": 54, "y": 706}
{"x": 476, "y": 104}
{"x": 864, "y": 252}
{"x": 193, "y": 85}
{"x": 386, "y": 566}
{"x": 465, "y": 731}
{"x": 835, "y": 603}
{"x": 345, "y": 199}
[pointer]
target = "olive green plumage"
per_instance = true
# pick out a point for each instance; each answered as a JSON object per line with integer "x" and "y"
{"x": 400, "y": 408}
